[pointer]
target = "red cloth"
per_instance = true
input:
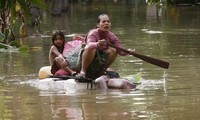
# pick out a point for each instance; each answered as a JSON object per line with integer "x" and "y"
{"x": 61, "y": 72}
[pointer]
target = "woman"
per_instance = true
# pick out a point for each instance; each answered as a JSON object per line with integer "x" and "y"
{"x": 60, "y": 65}
{"x": 96, "y": 45}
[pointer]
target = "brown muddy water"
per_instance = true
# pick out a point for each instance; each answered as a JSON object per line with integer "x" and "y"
{"x": 168, "y": 33}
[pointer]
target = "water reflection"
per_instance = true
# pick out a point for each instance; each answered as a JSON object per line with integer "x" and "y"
{"x": 83, "y": 106}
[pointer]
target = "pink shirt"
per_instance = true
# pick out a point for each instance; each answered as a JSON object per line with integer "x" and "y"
{"x": 93, "y": 37}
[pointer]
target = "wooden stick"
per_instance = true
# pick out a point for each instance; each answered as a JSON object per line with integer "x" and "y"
{"x": 148, "y": 59}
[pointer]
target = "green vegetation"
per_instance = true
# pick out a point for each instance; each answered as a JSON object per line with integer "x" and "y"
{"x": 13, "y": 12}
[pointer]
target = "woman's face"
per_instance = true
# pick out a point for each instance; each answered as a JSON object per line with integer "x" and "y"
{"x": 104, "y": 24}
{"x": 58, "y": 41}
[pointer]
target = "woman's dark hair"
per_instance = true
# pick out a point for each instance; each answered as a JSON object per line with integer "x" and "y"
{"x": 61, "y": 34}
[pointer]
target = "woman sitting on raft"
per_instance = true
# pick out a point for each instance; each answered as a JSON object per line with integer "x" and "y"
{"x": 96, "y": 45}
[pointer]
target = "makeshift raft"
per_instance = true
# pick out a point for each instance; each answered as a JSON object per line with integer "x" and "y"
{"x": 72, "y": 81}
{"x": 75, "y": 83}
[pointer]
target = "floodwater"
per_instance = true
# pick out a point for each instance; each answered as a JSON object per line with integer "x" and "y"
{"x": 167, "y": 33}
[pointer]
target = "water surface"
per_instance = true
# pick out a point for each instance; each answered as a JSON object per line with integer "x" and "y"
{"x": 169, "y": 33}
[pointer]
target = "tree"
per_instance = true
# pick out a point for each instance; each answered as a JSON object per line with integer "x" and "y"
{"x": 12, "y": 11}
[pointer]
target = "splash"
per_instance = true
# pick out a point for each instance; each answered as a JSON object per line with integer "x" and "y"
{"x": 49, "y": 84}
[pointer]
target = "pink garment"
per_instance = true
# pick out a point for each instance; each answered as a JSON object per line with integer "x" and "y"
{"x": 93, "y": 37}
{"x": 61, "y": 72}
{"x": 71, "y": 47}
{"x": 70, "y": 52}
